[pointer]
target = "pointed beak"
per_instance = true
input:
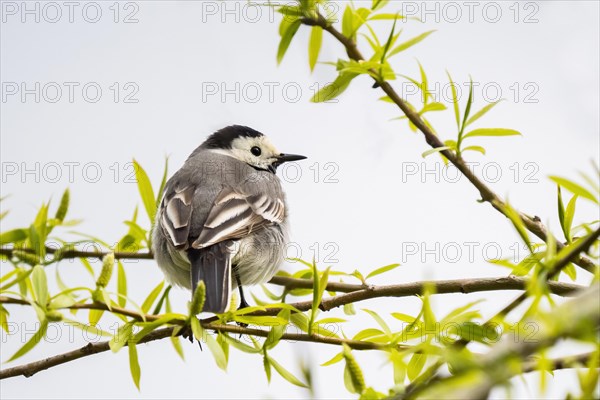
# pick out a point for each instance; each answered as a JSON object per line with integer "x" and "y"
{"x": 280, "y": 159}
{"x": 289, "y": 157}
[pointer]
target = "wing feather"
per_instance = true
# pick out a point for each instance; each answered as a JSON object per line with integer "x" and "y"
{"x": 235, "y": 214}
{"x": 175, "y": 214}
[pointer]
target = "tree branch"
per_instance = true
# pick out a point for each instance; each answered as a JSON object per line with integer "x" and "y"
{"x": 355, "y": 293}
{"x": 533, "y": 224}
{"x": 32, "y": 368}
{"x": 566, "y": 321}
{"x": 74, "y": 253}
{"x": 422, "y": 382}
{"x": 572, "y": 254}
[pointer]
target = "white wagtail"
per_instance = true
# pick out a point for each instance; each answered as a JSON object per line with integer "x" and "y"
{"x": 223, "y": 213}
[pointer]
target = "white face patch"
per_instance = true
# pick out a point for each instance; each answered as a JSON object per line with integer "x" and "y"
{"x": 256, "y": 151}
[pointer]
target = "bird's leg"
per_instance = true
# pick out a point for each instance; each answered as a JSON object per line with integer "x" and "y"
{"x": 243, "y": 302}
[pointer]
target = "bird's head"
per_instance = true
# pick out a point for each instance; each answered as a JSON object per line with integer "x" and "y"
{"x": 249, "y": 146}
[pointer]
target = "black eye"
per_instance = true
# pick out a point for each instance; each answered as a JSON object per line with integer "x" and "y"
{"x": 255, "y": 150}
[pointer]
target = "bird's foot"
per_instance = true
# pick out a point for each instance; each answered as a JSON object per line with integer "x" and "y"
{"x": 243, "y": 304}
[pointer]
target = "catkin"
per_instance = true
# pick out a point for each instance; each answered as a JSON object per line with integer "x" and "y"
{"x": 107, "y": 267}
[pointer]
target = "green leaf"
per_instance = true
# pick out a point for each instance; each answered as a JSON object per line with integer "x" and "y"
{"x": 475, "y": 332}
{"x": 574, "y": 188}
{"x": 334, "y": 89}
{"x": 292, "y": 11}
{"x": 40, "y": 285}
{"x": 94, "y": 316}
{"x": 389, "y": 42}
{"x": 368, "y": 333}
{"x": 288, "y": 376}
{"x": 481, "y": 112}
{"x": 88, "y": 329}
{"x": 146, "y": 191}
{"x": 314, "y": 46}
{"x": 415, "y": 365}
{"x": 4, "y": 319}
{"x": 409, "y": 43}
{"x": 163, "y": 182}
{"x": 403, "y": 317}
{"x": 123, "y": 334}
{"x": 148, "y": 327}
{"x": 399, "y": 367}
{"x": 474, "y": 148}
{"x": 381, "y": 270}
{"x": 467, "y": 109}
{"x": 134, "y": 365}
{"x": 300, "y": 320}
{"x": 164, "y": 298}
{"x": 216, "y": 351}
{"x": 454, "y": 100}
{"x": 514, "y": 217}
{"x": 386, "y": 16}
{"x": 62, "y": 300}
{"x": 435, "y": 106}
{"x": 121, "y": 284}
{"x": 319, "y": 286}
{"x": 435, "y": 150}
{"x": 492, "y": 132}
{"x": 88, "y": 267}
{"x": 348, "y": 21}
{"x": 330, "y": 320}
{"x": 61, "y": 212}
{"x": 568, "y": 221}
{"x": 379, "y": 320}
{"x": 242, "y": 346}
{"x": 460, "y": 311}
{"x": 570, "y": 271}
{"x": 176, "y": 342}
{"x": 13, "y": 236}
{"x": 152, "y": 297}
{"x": 276, "y": 331}
{"x": 31, "y": 343}
{"x": 349, "y": 309}
{"x": 286, "y": 39}
{"x": 197, "y": 329}
{"x": 378, "y": 4}
{"x": 425, "y": 89}
{"x": 267, "y": 366}
{"x": 337, "y": 358}
{"x": 38, "y": 232}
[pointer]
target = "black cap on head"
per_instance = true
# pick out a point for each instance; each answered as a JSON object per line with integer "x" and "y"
{"x": 222, "y": 138}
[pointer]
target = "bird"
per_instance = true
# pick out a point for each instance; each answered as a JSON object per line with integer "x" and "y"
{"x": 223, "y": 217}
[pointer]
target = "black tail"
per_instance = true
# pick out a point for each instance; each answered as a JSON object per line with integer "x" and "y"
{"x": 212, "y": 265}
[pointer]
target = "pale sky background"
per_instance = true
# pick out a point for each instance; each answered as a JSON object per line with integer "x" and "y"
{"x": 370, "y": 205}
